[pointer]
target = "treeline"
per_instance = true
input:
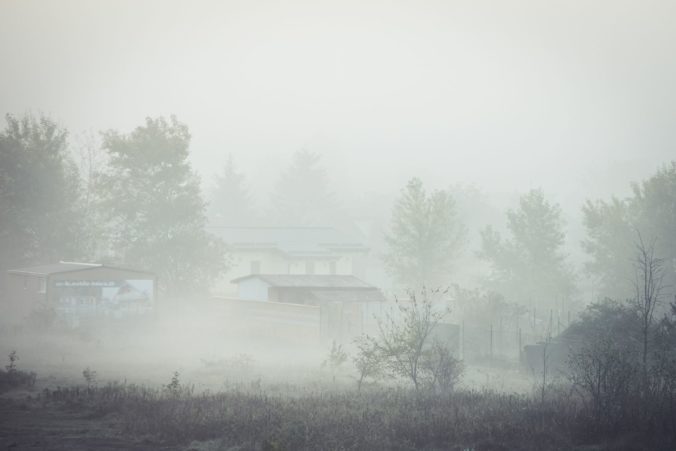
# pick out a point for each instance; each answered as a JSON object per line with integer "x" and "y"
{"x": 526, "y": 266}
{"x": 133, "y": 199}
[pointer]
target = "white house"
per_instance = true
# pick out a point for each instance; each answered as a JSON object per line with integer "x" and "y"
{"x": 290, "y": 250}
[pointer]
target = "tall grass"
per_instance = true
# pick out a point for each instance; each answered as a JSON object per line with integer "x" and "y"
{"x": 385, "y": 418}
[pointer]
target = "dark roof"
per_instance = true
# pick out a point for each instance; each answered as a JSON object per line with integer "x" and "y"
{"x": 63, "y": 267}
{"x": 292, "y": 241}
{"x": 308, "y": 281}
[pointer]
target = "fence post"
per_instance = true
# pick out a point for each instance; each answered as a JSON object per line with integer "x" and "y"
{"x": 491, "y": 353}
{"x": 462, "y": 339}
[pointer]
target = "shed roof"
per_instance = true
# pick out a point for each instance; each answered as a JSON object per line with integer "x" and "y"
{"x": 63, "y": 267}
{"x": 309, "y": 281}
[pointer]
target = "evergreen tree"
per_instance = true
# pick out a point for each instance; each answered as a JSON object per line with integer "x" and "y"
{"x": 231, "y": 203}
{"x": 302, "y": 195}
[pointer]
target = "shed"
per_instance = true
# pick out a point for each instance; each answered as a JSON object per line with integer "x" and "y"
{"x": 74, "y": 290}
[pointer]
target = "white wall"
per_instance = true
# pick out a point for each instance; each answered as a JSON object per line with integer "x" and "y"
{"x": 253, "y": 290}
{"x": 272, "y": 262}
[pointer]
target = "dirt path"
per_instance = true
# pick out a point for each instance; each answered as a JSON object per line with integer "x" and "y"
{"x": 27, "y": 425}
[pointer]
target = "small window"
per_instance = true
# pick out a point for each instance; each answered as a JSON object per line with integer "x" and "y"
{"x": 309, "y": 267}
{"x": 42, "y": 286}
{"x": 255, "y": 267}
{"x": 332, "y": 267}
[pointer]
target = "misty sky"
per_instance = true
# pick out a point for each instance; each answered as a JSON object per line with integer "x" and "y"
{"x": 575, "y": 96}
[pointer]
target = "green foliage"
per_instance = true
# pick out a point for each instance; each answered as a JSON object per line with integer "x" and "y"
{"x": 39, "y": 197}
{"x": 156, "y": 215}
{"x": 612, "y": 227}
{"x": 609, "y": 242}
{"x": 530, "y": 267}
{"x": 425, "y": 237}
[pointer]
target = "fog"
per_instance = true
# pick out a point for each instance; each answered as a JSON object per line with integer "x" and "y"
{"x": 281, "y": 195}
{"x": 575, "y": 97}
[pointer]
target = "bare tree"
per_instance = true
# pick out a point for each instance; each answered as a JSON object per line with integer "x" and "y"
{"x": 648, "y": 285}
{"x": 403, "y": 338}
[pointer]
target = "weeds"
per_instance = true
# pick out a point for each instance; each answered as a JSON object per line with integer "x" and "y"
{"x": 375, "y": 419}
{"x": 15, "y": 378}
{"x": 89, "y": 376}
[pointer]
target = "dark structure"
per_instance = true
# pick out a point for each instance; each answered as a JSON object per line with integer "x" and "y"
{"x": 76, "y": 291}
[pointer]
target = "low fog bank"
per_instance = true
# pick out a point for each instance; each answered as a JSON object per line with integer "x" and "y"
{"x": 208, "y": 347}
{"x": 212, "y": 348}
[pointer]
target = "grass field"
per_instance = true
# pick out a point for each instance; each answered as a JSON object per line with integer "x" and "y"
{"x": 287, "y": 417}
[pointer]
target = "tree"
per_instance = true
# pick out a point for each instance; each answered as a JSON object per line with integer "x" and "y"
{"x": 91, "y": 160}
{"x": 425, "y": 237}
{"x": 155, "y": 212}
{"x": 530, "y": 266}
{"x": 604, "y": 357}
{"x": 648, "y": 292}
{"x": 604, "y": 373}
{"x": 302, "y": 195}
{"x": 39, "y": 200}
{"x": 612, "y": 226}
{"x": 336, "y": 358}
{"x": 367, "y": 360}
{"x": 405, "y": 337}
{"x": 445, "y": 370}
{"x": 231, "y": 202}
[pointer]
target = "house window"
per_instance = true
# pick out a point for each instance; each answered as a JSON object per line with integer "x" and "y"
{"x": 309, "y": 267}
{"x": 255, "y": 267}
{"x": 42, "y": 286}
{"x": 332, "y": 267}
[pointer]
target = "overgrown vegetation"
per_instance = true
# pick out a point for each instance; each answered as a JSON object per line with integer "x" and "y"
{"x": 406, "y": 348}
{"x": 385, "y": 418}
{"x": 623, "y": 360}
